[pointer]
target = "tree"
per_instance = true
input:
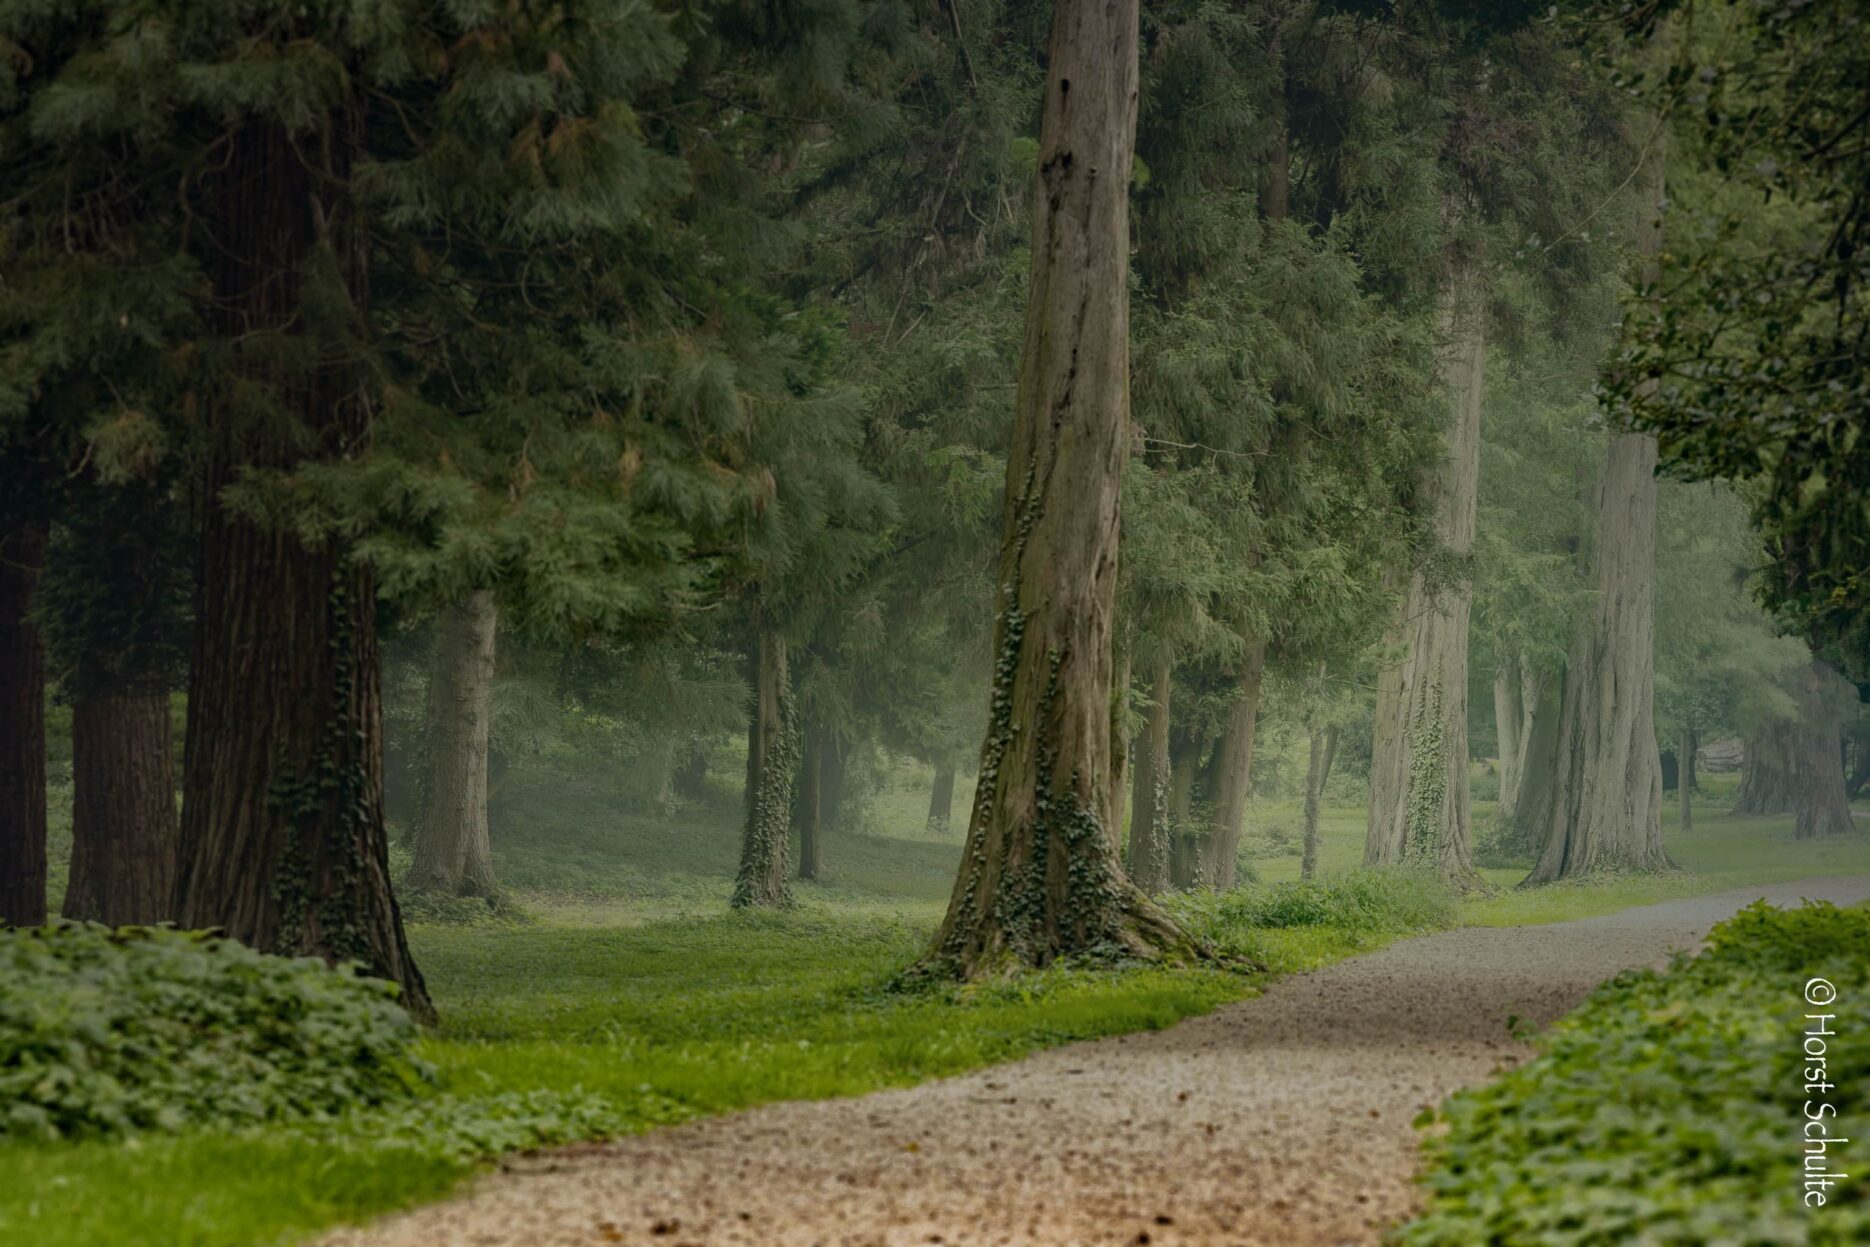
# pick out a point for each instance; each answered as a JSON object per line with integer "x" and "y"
{"x": 114, "y": 608}
{"x": 1040, "y": 876}
{"x": 22, "y": 731}
{"x": 1746, "y": 358}
{"x": 1607, "y": 807}
{"x": 453, "y": 849}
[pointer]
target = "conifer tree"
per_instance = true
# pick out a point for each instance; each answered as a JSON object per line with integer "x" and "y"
{"x": 1040, "y": 876}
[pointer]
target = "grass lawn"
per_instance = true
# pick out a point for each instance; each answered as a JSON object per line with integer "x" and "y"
{"x": 624, "y": 978}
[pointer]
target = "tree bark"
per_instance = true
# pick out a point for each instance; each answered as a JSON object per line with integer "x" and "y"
{"x": 1315, "y": 767}
{"x": 124, "y": 830}
{"x": 1119, "y": 745}
{"x": 1149, "y": 806}
{"x": 453, "y": 852}
{"x": 773, "y": 749}
{"x": 1767, "y": 785}
{"x": 811, "y": 771}
{"x": 941, "y": 803}
{"x": 1818, "y": 759}
{"x": 1234, "y": 774}
{"x": 1685, "y": 779}
{"x": 282, "y": 837}
{"x": 1607, "y": 809}
{"x": 1538, "y": 783}
{"x": 22, "y": 732}
{"x": 1185, "y": 835}
{"x": 1419, "y": 811}
{"x": 1040, "y": 877}
{"x": 1509, "y": 723}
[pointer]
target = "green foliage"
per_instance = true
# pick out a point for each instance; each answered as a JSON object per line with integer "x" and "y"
{"x": 1748, "y": 356}
{"x": 1667, "y": 1109}
{"x": 106, "y": 1033}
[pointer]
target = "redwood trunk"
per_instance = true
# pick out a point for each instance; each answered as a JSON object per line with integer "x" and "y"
{"x": 1234, "y": 774}
{"x": 1509, "y": 723}
{"x": 124, "y": 831}
{"x": 1538, "y": 785}
{"x": 1818, "y": 759}
{"x": 773, "y": 749}
{"x": 22, "y": 733}
{"x": 282, "y": 836}
{"x": 1419, "y": 810}
{"x": 941, "y": 803}
{"x": 1607, "y": 807}
{"x": 1185, "y": 834}
{"x": 1040, "y": 876}
{"x": 1766, "y": 771}
{"x": 453, "y": 853}
{"x": 1149, "y": 806}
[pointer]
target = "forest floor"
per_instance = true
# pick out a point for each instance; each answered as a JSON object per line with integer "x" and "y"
{"x": 619, "y": 981}
{"x": 1283, "y": 1120}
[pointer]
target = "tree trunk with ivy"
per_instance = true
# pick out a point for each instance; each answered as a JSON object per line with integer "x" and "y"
{"x": 282, "y": 837}
{"x": 453, "y": 851}
{"x": 22, "y": 732}
{"x": 773, "y": 752}
{"x": 1234, "y": 774}
{"x": 1040, "y": 877}
{"x": 941, "y": 802}
{"x": 1185, "y": 833}
{"x": 1607, "y": 805}
{"x": 1149, "y": 805}
{"x": 1419, "y": 812}
{"x": 124, "y": 829}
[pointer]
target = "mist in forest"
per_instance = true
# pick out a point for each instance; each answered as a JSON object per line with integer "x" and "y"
{"x": 1167, "y": 585}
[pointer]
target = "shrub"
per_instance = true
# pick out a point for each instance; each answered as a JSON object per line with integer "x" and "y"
{"x": 1669, "y": 1107}
{"x": 107, "y": 1032}
{"x": 1301, "y": 925}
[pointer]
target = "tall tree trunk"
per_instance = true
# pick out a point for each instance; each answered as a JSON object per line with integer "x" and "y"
{"x": 1607, "y": 810}
{"x": 1509, "y": 721}
{"x": 1538, "y": 783}
{"x": 453, "y": 853}
{"x": 1234, "y": 774}
{"x": 22, "y": 732}
{"x": 1315, "y": 766}
{"x": 1818, "y": 758}
{"x": 811, "y": 772}
{"x": 1149, "y": 805}
{"x": 1767, "y": 785}
{"x": 941, "y": 802}
{"x": 1185, "y": 834}
{"x": 1119, "y": 745}
{"x": 773, "y": 749}
{"x": 1859, "y": 775}
{"x": 1685, "y": 778}
{"x": 124, "y": 830}
{"x": 1040, "y": 876}
{"x": 1419, "y": 809}
{"x": 833, "y": 782}
{"x": 282, "y": 837}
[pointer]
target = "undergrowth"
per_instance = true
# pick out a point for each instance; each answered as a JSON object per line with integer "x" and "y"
{"x": 1672, "y": 1108}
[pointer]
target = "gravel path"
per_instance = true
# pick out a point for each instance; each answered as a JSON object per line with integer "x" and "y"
{"x": 1283, "y": 1120}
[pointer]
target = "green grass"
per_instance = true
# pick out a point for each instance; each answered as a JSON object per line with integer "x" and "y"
{"x": 629, "y": 981}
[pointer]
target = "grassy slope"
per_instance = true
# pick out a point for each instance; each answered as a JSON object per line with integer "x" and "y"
{"x": 634, "y": 984}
